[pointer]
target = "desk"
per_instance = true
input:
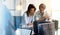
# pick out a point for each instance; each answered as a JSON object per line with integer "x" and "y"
{"x": 21, "y": 31}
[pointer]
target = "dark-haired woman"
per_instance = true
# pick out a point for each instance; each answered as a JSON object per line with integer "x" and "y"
{"x": 29, "y": 15}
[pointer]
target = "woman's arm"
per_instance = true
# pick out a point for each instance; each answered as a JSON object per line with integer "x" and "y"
{"x": 41, "y": 19}
{"x": 25, "y": 18}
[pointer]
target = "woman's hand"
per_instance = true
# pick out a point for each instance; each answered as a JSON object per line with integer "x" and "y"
{"x": 31, "y": 25}
{"x": 46, "y": 16}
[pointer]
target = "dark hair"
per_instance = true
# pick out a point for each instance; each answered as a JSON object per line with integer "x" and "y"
{"x": 29, "y": 8}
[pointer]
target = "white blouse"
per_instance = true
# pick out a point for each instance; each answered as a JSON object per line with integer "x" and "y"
{"x": 28, "y": 19}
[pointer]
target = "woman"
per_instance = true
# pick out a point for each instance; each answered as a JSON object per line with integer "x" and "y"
{"x": 29, "y": 15}
{"x": 41, "y": 15}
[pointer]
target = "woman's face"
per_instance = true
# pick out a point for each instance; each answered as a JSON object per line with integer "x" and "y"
{"x": 32, "y": 11}
{"x": 42, "y": 8}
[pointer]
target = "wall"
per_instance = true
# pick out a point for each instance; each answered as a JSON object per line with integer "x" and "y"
{"x": 12, "y": 4}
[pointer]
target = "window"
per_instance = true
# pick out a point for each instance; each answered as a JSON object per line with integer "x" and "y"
{"x": 56, "y": 10}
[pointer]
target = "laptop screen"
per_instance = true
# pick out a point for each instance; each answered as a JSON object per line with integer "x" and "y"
{"x": 41, "y": 28}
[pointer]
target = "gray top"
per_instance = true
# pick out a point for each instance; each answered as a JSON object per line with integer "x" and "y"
{"x": 39, "y": 15}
